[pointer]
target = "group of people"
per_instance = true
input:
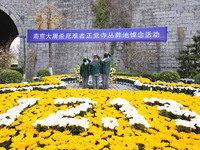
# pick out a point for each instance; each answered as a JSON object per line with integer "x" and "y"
{"x": 96, "y": 67}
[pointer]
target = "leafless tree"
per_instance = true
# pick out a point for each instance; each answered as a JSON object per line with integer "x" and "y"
{"x": 49, "y": 18}
{"x": 4, "y": 57}
{"x": 138, "y": 56}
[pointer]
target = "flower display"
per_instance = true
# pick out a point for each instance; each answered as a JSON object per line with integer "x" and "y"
{"x": 130, "y": 112}
{"x": 146, "y": 84}
{"x": 171, "y": 107}
{"x": 77, "y": 73}
{"x": 112, "y": 74}
{"x": 46, "y": 83}
{"x": 61, "y": 118}
{"x": 110, "y": 123}
{"x": 77, "y": 70}
{"x": 9, "y": 117}
{"x": 56, "y": 81}
{"x": 99, "y": 119}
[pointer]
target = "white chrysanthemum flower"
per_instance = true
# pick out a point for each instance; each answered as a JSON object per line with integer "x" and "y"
{"x": 109, "y": 122}
{"x": 7, "y": 122}
{"x": 60, "y": 112}
{"x": 185, "y": 123}
{"x": 58, "y": 101}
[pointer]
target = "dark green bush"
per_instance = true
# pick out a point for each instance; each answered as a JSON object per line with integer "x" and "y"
{"x": 19, "y": 69}
{"x": 43, "y": 73}
{"x": 126, "y": 74}
{"x": 197, "y": 78}
{"x": 169, "y": 76}
{"x": 10, "y": 76}
{"x": 14, "y": 65}
{"x": 151, "y": 76}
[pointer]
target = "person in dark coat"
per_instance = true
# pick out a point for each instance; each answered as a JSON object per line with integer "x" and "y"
{"x": 105, "y": 69}
{"x": 84, "y": 71}
{"x": 95, "y": 71}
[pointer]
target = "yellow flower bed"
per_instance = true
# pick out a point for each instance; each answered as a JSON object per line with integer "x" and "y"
{"x": 49, "y": 80}
{"x": 163, "y": 133}
{"x": 52, "y": 80}
{"x": 147, "y": 81}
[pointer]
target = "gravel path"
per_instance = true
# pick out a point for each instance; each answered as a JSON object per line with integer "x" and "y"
{"x": 111, "y": 87}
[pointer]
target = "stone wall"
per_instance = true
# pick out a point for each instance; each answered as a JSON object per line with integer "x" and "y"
{"x": 182, "y": 17}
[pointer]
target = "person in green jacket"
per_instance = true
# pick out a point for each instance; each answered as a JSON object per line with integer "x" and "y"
{"x": 95, "y": 70}
{"x": 105, "y": 69}
{"x": 84, "y": 71}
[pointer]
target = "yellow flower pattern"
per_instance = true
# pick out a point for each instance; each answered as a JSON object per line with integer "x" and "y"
{"x": 163, "y": 133}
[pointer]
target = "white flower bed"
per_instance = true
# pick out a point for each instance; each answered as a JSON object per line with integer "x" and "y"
{"x": 72, "y": 79}
{"x": 31, "y": 88}
{"x": 9, "y": 117}
{"x": 64, "y": 118}
{"x": 189, "y": 119}
{"x": 137, "y": 83}
{"x": 173, "y": 107}
{"x": 130, "y": 112}
{"x": 110, "y": 123}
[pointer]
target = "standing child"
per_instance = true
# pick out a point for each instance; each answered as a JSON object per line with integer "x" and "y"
{"x": 84, "y": 71}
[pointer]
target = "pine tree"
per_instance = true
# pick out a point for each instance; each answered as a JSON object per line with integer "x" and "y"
{"x": 189, "y": 59}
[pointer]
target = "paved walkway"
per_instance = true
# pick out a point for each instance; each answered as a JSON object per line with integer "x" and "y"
{"x": 111, "y": 87}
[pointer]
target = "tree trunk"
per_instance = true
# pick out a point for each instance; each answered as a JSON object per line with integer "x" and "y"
{"x": 50, "y": 59}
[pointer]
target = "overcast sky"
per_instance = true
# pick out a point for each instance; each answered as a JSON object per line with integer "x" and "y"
{"x": 14, "y": 46}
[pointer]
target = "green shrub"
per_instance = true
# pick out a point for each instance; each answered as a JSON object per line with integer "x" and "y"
{"x": 43, "y": 73}
{"x": 126, "y": 74}
{"x": 10, "y": 76}
{"x": 197, "y": 78}
{"x": 19, "y": 69}
{"x": 169, "y": 76}
{"x": 151, "y": 76}
{"x": 29, "y": 79}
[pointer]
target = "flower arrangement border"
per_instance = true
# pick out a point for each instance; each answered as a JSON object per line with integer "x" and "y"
{"x": 59, "y": 82}
{"x": 146, "y": 84}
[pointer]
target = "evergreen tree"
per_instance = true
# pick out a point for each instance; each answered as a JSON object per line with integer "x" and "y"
{"x": 189, "y": 59}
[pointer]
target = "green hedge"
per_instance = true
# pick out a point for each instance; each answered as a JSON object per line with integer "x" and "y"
{"x": 169, "y": 76}
{"x": 19, "y": 69}
{"x": 126, "y": 74}
{"x": 10, "y": 76}
{"x": 197, "y": 78}
{"x": 43, "y": 73}
{"x": 152, "y": 76}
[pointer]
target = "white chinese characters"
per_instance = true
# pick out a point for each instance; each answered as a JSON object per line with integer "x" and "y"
{"x": 72, "y": 36}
